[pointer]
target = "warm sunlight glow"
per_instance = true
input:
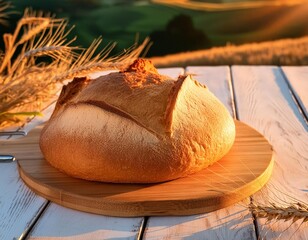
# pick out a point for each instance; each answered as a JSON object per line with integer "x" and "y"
{"x": 205, "y": 6}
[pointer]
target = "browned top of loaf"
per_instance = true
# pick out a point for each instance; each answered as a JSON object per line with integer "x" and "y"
{"x": 141, "y": 73}
{"x": 138, "y": 92}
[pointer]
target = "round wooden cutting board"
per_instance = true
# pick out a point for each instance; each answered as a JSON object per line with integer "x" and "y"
{"x": 242, "y": 172}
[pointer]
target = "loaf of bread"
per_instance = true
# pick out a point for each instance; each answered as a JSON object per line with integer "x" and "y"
{"x": 136, "y": 126}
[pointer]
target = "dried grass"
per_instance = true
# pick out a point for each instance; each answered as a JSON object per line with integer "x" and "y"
{"x": 26, "y": 84}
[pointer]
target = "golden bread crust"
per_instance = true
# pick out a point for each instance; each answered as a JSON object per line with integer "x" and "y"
{"x": 137, "y": 126}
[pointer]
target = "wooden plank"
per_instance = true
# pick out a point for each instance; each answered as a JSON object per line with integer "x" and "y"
{"x": 112, "y": 226}
{"x": 171, "y": 72}
{"x": 264, "y": 101}
{"x": 298, "y": 80}
{"x": 234, "y": 222}
{"x": 59, "y": 221}
{"x": 19, "y": 206}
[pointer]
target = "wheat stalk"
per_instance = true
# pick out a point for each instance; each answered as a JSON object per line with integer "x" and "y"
{"x": 36, "y": 27}
{"x": 294, "y": 211}
{"x": 86, "y": 63}
{"x": 26, "y": 84}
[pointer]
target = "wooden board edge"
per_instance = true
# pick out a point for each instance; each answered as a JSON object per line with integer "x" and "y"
{"x": 136, "y": 209}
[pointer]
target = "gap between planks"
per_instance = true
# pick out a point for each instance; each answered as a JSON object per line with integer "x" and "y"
{"x": 32, "y": 224}
{"x": 236, "y": 116}
{"x": 142, "y": 228}
{"x": 295, "y": 97}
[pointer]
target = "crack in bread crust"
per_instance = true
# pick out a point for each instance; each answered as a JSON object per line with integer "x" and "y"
{"x": 173, "y": 94}
{"x": 109, "y": 108}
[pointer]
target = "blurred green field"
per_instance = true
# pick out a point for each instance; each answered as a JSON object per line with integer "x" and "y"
{"x": 122, "y": 22}
{"x": 285, "y": 52}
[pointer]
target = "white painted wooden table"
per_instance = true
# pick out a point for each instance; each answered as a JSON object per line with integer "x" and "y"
{"x": 273, "y": 100}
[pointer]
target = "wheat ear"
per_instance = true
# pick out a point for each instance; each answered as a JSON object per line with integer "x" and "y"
{"x": 26, "y": 84}
{"x": 294, "y": 212}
